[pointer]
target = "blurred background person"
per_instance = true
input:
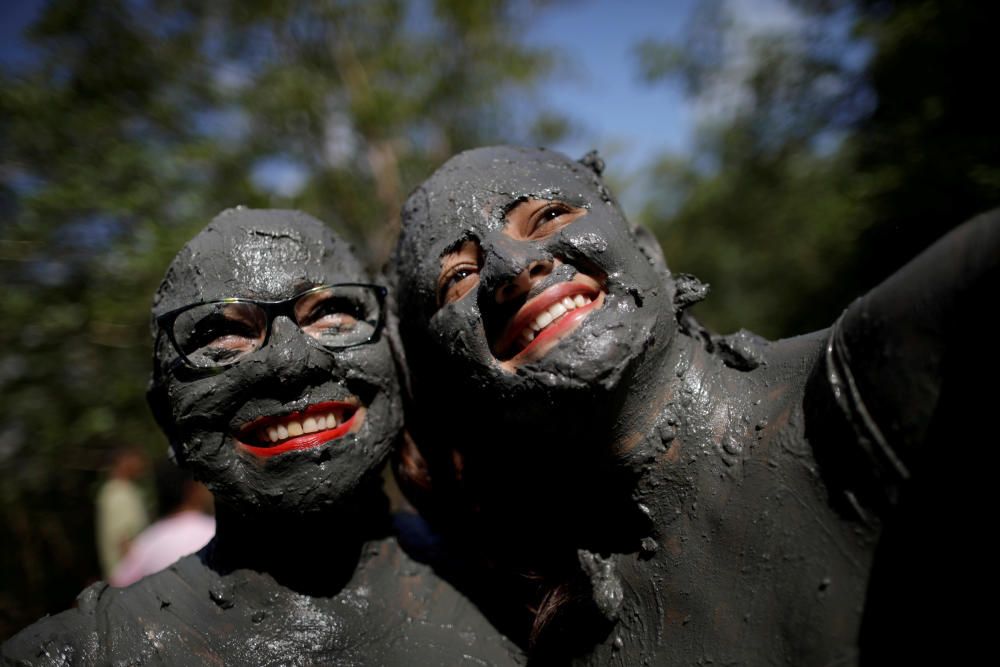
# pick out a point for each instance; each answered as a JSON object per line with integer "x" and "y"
{"x": 185, "y": 526}
{"x": 120, "y": 509}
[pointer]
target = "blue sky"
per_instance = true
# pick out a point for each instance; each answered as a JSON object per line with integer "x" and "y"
{"x": 595, "y": 83}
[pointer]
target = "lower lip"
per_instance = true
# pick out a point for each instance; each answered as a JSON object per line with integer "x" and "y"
{"x": 560, "y": 328}
{"x": 306, "y": 441}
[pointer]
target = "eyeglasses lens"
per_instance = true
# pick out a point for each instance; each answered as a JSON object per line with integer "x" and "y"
{"x": 212, "y": 335}
{"x": 339, "y": 316}
{"x": 219, "y": 334}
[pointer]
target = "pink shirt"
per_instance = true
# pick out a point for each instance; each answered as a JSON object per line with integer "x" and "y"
{"x": 162, "y": 544}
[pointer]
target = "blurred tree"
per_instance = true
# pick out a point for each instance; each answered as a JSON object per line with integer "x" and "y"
{"x": 834, "y": 146}
{"x": 929, "y": 155}
{"x": 133, "y": 123}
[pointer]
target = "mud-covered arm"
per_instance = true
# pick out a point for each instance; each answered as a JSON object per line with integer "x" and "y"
{"x": 67, "y": 638}
{"x": 914, "y": 356}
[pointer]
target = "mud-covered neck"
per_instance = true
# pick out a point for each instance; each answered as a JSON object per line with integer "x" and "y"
{"x": 313, "y": 553}
{"x": 685, "y": 427}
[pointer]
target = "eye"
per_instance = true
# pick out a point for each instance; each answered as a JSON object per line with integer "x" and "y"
{"x": 336, "y": 307}
{"x": 332, "y": 315}
{"x": 551, "y": 212}
{"x": 336, "y": 322}
{"x": 537, "y": 219}
{"x": 456, "y": 282}
{"x": 220, "y": 336}
{"x": 459, "y": 272}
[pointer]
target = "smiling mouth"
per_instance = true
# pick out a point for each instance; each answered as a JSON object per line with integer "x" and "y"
{"x": 316, "y": 425}
{"x": 547, "y": 318}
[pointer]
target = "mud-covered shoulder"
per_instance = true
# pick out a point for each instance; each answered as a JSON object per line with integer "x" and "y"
{"x": 794, "y": 357}
{"x": 765, "y": 381}
{"x": 67, "y": 638}
{"x": 133, "y": 625}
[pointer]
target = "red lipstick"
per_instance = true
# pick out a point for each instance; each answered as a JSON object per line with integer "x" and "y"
{"x": 526, "y": 331}
{"x": 272, "y": 435}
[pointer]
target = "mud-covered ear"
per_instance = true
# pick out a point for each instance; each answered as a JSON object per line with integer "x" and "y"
{"x": 593, "y": 161}
{"x": 650, "y": 246}
{"x": 688, "y": 291}
{"x": 156, "y": 398}
{"x": 156, "y": 390}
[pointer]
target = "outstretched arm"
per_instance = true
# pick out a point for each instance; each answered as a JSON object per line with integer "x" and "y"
{"x": 911, "y": 360}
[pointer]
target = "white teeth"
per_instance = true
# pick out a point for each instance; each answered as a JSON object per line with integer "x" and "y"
{"x": 549, "y": 316}
{"x": 312, "y": 424}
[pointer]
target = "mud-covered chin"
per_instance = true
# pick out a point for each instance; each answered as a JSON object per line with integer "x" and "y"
{"x": 309, "y": 479}
{"x": 577, "y": 375}
{"x": 601, "y": 352}
{"x": 221, "y": 425}
{"x": 213, "y": 419}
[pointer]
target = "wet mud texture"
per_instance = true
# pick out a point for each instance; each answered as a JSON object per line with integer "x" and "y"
{"x": 650, "y": 493}
{"x": 393, "y": 611}
{"x": 302, "y": 569}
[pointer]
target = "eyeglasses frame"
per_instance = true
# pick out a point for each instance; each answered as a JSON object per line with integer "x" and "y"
{"x": 272, "y": 309}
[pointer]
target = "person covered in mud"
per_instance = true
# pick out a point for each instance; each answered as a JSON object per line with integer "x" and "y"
{"x": 274, "y": 385}
{"x": 618, "y": 485}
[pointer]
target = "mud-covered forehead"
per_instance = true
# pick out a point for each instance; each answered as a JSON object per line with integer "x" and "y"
{"x": 264, "y": 254}
{"x": 471, "y": 193}
{"x": 489, "y": 179}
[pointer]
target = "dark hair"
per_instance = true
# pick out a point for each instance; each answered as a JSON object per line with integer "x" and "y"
{"x": 432, "y": 484}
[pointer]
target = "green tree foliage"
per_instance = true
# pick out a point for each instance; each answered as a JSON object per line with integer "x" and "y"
{"x": 834, "y": 150}
{"x": 929, "y": 155}
{"x": 131, "y": 126}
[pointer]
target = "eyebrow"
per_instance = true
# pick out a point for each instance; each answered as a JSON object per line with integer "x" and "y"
{"x": 457, "y": 245}
{"x": 523, "y": 199}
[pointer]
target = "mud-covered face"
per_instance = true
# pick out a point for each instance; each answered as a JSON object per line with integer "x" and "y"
{"x": 292, "y": 426}
{"x": 519, "y": 280}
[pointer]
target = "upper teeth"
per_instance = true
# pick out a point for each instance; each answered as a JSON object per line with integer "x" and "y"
{"x": 551, "y": 314}
{"x": 294, "y": 427}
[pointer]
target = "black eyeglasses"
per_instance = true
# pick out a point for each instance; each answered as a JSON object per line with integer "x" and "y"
{"x": 219, "y": 333}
